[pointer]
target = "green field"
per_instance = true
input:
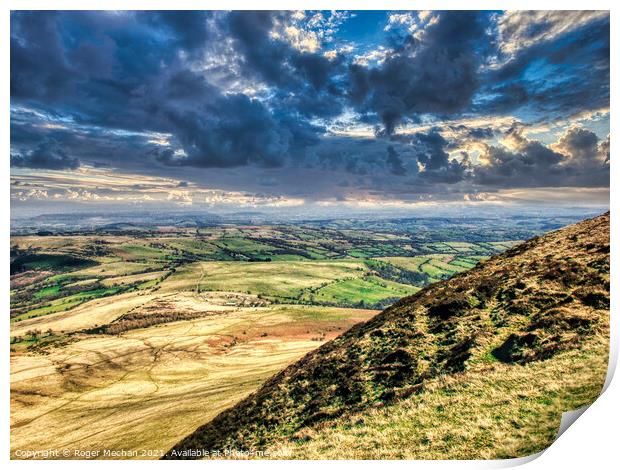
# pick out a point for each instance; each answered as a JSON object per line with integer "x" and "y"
{"x": 364, "y": 292}
{"x": 279, "y": 279}
{"x": 281, "y": 264}
{"x": 48, "y": 262}
{"x": 436, "y": 266}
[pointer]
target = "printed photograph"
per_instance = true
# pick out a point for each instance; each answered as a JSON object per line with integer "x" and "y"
{"x": 306, "y": 235}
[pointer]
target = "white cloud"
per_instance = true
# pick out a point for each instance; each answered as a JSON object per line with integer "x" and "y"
{"x": 411, "y": 22}
{"x": 373, "y": 57}
{"x": 302, "y": 40}
{"x": 309, "y": 33}
{"x": 30, "y": 194}
{"x": 407, "y": 20}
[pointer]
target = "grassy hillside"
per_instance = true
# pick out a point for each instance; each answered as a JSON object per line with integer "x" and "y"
{"x": 478, "y": 366}
{"x": 276, "y": 279}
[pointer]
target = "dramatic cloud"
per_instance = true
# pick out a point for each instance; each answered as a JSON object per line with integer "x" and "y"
{"x": 234, "y": 130}
{"x": 394, "y": 162}
{"x": 577, "y": 159}
{"x": 435, "y": 73}
{"x": 583, "y": 147}
{"x": 404, "y": 105}
{"x": 105, "y": 187}
{"x": 47, "y": 155}
{"x": 555, "y": 65}
{"x": 519, "y": 30}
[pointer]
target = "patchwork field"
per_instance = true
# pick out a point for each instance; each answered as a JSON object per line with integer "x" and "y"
{"x": 118, "y": 340}
{"x": 359, "y": 291}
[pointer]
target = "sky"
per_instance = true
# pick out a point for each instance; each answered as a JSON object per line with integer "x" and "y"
{"x": 308, "y": 111}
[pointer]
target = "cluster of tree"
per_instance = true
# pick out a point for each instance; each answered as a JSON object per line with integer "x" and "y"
{"x": 394, "y": 273}
{"x": 97, "y": 248}
{"x": 135, "y": 320}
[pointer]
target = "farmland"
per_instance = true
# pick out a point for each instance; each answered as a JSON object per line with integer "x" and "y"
{"x": 142, "y": 389}
{"x": 110, "y": 328}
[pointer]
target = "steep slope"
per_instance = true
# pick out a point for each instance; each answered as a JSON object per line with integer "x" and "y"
{"x": 526, "y": 316}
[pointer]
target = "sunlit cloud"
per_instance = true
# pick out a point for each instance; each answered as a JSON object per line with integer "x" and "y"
{"x": 96, "y": 185}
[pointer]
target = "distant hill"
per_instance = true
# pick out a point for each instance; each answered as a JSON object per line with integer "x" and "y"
{"x": 478, "y": 366}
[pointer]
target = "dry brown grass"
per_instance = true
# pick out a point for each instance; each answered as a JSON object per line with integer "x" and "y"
{"x": 146, "y": 388}
{"x": 87, "y": 315}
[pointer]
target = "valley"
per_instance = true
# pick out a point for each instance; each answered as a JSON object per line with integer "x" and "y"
{"x": 124, "y": 342}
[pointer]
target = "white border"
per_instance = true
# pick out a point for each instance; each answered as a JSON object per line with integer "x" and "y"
{"x": 591, "y": 443}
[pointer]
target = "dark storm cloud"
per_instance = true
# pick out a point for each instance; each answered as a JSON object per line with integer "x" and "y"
{"x": 259, "y": 54}
{"x": 148, "y": 87}
{"x": 303, "y": 81}
{"x": 99, "y": 147}
{"x": 187, "y": 28}
{"x": 454, "y": 172}
{"x": 582, "y": 145}
{"x": 436, "y": 74}
{"x": 504, "y": 97}
{"x": 38, "y": 66}
{"x": 430, "y": 150}
{"x": 476, "y": 133}
{"x": 394, "y": 162}
{"x": 574, "y": 161}
{"x": 235, "y": 130}
{"x": 382, "y": 160}
{"x": 47, "y": 155}
{"x": 509, "y": 167}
